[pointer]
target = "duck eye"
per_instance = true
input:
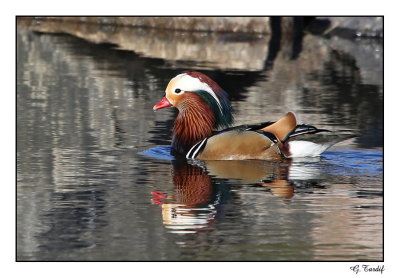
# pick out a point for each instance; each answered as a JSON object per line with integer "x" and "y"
{"x": 177, "y": 91}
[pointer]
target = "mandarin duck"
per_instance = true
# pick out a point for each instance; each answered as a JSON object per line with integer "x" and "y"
{"x": 203, "y": 128}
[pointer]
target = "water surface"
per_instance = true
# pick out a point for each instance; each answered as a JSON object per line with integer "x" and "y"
{"x": 95, "y": 180}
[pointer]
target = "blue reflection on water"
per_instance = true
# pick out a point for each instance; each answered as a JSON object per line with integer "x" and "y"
{"x": 361, "y": 162}
{"x": 159, "y": 152}
{"x": 340, "y": 162}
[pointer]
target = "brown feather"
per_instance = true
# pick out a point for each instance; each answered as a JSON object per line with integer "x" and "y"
{"x": 283, "y": 127}
{"x": 238, "y": 145}
{"x": 194, "y": 122}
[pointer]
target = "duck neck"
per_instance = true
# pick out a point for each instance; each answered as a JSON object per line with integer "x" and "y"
{"x": 194, "y": 122}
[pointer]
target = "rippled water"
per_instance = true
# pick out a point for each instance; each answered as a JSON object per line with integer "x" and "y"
{"x": 95, "y": 180}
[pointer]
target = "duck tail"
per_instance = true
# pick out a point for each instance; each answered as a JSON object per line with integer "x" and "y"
{"x": 314, "y": 142}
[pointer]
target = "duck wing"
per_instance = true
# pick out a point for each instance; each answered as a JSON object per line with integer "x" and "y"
{"x": 260, "y": 141}
{"x": 237, "y": 145}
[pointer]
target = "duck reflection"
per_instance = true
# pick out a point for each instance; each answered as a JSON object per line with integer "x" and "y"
{"x": 271, "y": 175}
{"x": 201, "y": 188}
{"x": 192, "y": 206}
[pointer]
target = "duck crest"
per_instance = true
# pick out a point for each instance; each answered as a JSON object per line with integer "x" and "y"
{"x": 222, "y": 107}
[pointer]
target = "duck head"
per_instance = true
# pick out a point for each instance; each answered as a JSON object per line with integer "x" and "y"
{"x": 203, "y": 107}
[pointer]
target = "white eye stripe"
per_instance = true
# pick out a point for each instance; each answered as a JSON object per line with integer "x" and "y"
{"x": 191, "y": 84}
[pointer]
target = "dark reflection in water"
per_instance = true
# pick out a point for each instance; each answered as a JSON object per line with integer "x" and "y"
{"x": 74, "y": 215}
{"x": 95, "y": 180}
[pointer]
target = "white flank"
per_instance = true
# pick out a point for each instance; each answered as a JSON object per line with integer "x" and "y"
{"x": 306, "y": 148}
{"x": 191, "y": 84}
